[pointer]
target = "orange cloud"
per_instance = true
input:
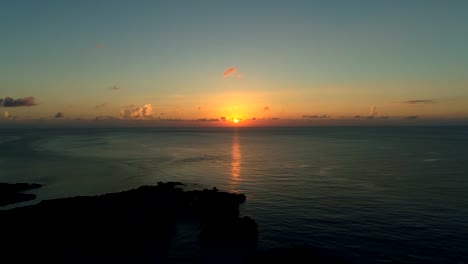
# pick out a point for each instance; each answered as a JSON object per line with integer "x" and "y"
{"x": 229, "y": 72}
{"x": 137, "y": 113}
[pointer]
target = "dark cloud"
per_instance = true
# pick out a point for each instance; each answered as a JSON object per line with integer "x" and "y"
{"x": 10, "y": 102}
{"x": 223, "y": 118}
{"x": 412, "y": 117}
{"x": 171, "y": 119}
{"x": 357, "y": 116}
{"x": 105, "y": 118}
{"x": 59, "y": 115}
{"x": 384, "y": 117}
{"x": 275, "y": 118}
{"x": 208, "y": 119}
{"x": 253, "y": 118}
{"x": 114, "y": 88}
{"x": 266, "y": 108}
{"x": 315, "y": 116}
{"x": 101, "y": 105}
{"x": 420, "y": 102}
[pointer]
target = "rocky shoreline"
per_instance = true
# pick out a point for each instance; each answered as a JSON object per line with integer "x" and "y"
{"x": 126, "y": 223}
{"x": 135, "y": 226}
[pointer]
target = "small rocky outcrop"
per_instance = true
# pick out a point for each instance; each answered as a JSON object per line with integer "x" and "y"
{"x": 11, "y": 193}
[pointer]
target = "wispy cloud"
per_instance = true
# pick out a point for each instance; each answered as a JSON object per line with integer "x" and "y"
{"x": 373, "y": 111}
{"x": 59, "y": 115}
{"x": 100, "y": 105}
{"x": 315, "y": 116}
{"x": 233, "y": 72}
{"x": 229, "y": 72}
{"x": 141, "y": 112}
{"x": 104, "y": 118}
{"x": 10, "y": 102}
{"x": 114, "y": 88}
{"x": 208, "y": 119}
{"x": 420, "y": 102}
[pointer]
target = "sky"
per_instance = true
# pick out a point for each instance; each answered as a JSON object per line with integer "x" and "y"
{"x": 212, "y": 62}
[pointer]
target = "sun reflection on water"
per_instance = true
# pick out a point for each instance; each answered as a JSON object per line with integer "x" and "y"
{"x": 236, "y": 159}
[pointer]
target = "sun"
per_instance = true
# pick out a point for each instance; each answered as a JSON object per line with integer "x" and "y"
{"x": 236, "y": 120}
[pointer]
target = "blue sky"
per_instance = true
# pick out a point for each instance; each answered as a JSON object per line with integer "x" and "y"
{"x": 297, "y": 57}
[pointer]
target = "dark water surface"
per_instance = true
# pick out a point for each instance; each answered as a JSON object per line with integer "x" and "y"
{"x": 375, "y": 194}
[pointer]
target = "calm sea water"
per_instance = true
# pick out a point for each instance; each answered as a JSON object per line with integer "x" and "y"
{"x": 375, "y": 194}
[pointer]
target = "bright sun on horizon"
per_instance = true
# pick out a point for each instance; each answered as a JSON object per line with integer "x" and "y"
{"x": 236, "y": 120}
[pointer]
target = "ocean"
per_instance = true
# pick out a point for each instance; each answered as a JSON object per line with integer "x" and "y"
{"x": 373, "y": 194}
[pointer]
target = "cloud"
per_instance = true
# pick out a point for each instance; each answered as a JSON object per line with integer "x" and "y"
{"x": 223, "y": 118}
{"x": 59, "y": 115}
{"x": 357, "y": 116}
{"x": 141, "y": 112}
{"x": 10, "y": 102}
{"x": 275, "y": 118}
{"x": 99, "y": 46}
{"x": 229, "y": 72}
{"x": 420, "y": 102}
{"x": 208, "y": 119}
{"x": 266, "y": 108}
{"x": 315, "y": 116}
{"x": 412, "y": 117}
{"x": 101, "y": 105}
{"x": 104, "y": 118}
{"x": 114, "y": 88}
{"x": 384, "y": 117}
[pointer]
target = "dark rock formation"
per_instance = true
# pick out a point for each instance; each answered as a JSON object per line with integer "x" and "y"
{"x": 12, "y": 192}
{"x": 121, "y": 224}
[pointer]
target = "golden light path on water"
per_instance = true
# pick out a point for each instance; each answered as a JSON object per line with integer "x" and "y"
{"x": 236, "y": 161}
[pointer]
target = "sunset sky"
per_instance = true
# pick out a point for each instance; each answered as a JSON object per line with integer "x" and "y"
{"x": 289, "y": 62}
